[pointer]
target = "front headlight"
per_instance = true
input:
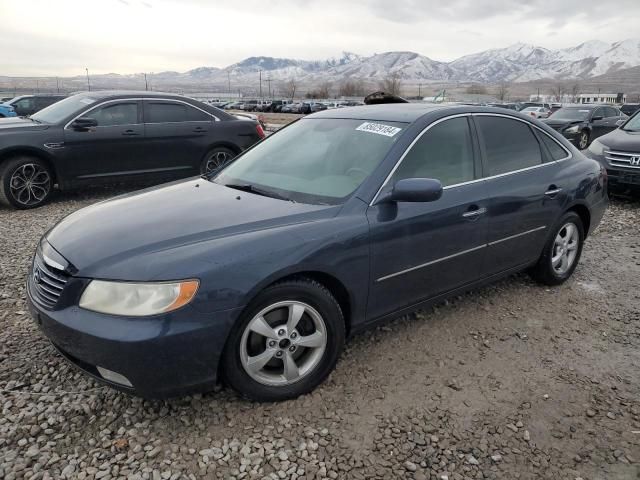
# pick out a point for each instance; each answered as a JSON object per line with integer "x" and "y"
{"x": 597, "y": 148}
{"x": 137, "y": 299}
{"x": 573, "y": 129}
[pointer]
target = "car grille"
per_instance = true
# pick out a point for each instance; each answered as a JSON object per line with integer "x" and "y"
{"x": 623, "y": 159}
{"x": 46, "y": 283}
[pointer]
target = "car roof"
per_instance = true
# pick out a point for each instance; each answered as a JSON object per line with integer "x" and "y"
{"x": 409, "y": 112}
{"x": 103, "y": 94}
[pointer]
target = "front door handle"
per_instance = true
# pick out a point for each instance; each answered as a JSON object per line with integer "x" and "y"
{"x": 474, "y": 213}
{"x": 130, "y": 133}
{"x": 199, "y": 130}
{"x": 552, "y": 191}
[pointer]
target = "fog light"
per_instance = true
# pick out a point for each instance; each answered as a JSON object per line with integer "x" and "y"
{"x": 114, "y": 377}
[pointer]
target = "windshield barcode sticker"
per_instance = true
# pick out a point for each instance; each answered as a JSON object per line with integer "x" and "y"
{"x": 379, "y": 128}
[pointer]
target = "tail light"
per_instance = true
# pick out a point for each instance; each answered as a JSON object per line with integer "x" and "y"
{"x": 260, "y": 131}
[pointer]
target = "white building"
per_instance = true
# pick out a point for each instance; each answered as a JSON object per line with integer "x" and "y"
{"x": 602, "y": 98}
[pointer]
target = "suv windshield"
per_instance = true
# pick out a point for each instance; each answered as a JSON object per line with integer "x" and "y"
{"x": 60, "y": 110}
{"x": 633, "y": 124}
{"x": 571, "y": 114}
{"x": 319, "y": 161}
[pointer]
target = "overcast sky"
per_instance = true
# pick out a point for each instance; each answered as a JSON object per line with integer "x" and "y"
{"x": 62, "y": 37}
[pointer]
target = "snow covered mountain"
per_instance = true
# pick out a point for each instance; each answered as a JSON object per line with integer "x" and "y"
{"x": 517, "y": 63}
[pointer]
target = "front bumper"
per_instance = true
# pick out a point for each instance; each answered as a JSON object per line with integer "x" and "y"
{"x": 618, "y": 177}
{"x": 161, "y": 356}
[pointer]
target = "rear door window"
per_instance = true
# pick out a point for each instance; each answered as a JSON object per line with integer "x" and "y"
{"x": 509, "y": 145}
{"x": 169, "y": 112}
{"x": 556, "y": 151}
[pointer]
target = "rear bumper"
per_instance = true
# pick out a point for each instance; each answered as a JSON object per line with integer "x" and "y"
{"x": 161, "y": 356}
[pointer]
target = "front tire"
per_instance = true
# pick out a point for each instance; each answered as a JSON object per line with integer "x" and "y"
{"x": 583, "y": 140}
{"x": 562, "y": 252}
{"x": 286, "y": 342}
{"x": 25, "y": 182}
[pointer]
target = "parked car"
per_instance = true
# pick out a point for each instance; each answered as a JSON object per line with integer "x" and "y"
{"x": 233, "y": 106}
{"x": 536, "y": 112}
{"x": 101, "y": 137}
{"x": 251, "y": 105}
{"x": 630, "y": 108}
{"x": 258, "y": 272}
{"x": 276, "y": 105}
{"x": 291, "y": 108}
{"x": 508, "y": 106}
{"x": 312, "y": 107}
{"x": 25, "y": 105}
{"x": 7, "y": 110}
{"x": 583, "y": 123}
{"x": 524, "y": 105}
{"x": 619, "y": 152}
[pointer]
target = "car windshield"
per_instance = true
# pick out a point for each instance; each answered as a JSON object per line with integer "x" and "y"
{"x": 571, "y": 114}
{"x": 633, "y": 124}
{"x": 60, "y": 110}
{"x": 318, "y": 161}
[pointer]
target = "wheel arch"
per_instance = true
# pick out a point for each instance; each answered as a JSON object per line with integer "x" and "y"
{"x": 585, "y": 216}
{"x": 10, "y": 153}
{"x": 224, "y": 143}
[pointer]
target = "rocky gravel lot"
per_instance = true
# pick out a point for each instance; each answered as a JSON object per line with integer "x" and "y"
{"x": 513, "y": 381}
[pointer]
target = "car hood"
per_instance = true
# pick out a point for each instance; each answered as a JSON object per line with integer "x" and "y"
{"x": 621, "y": 140}
{"x": 10, "y": 124}
{"x": 162, "y": 218}
{"x": 558, "y": 123}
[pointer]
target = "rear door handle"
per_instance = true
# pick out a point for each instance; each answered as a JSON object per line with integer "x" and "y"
{"x": 200, "y": 130}
{"x": 130, "y": 133}
{"x": 553, "y": 191}
{"x": 475, "y": 213}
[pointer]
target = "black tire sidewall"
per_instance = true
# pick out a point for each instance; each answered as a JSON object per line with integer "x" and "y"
{"x": 305, "y": 291}
{"x": 203, "y": 163}
{"x": 6, "y": 171}
{"x": 545, "y": 263}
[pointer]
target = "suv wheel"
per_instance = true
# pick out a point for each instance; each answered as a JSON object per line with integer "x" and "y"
{"x": 215, "y": 159}
{"x": 562, "y": 252}
{"x": 286, "y": 342}
{"x": 25, "y": 182}
{"x": 583, "y": 140}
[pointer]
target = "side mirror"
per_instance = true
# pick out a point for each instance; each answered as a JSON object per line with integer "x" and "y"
{"x": 595, "y": 119}
{"x": 84, "y": 123}
{"x": 415, "y": 190}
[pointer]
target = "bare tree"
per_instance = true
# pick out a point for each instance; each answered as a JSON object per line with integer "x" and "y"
{"x": 289, "y": 88}
{"x": 392, "y": 84}
{"x": 476, "y": 89}
{"x": 558, "y": 90}
{"x": 575, "y": 91}
{"x": 324, "y": 90}
{"x": 347, "y": 89}
{"x": 502, "y": 92}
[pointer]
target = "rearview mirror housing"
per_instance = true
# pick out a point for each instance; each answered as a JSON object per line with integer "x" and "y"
{"x": 84, "y": 123}
{"x": 414, "y": 190}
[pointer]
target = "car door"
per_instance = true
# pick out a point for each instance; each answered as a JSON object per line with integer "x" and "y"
{"x": 525, "y": 190}
{"x": 420, "y": 250}
{"x": 177, "y": 135}
{"x": 612, "y": 115}
{"x": 599, "y": 123}
{"x": 24, "y": 106}
{"x": 114, "y": 148}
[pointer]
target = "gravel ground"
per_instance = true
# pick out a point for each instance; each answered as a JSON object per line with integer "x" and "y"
{"x": 510, "y": 381}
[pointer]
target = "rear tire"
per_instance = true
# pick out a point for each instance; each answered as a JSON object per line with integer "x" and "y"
{"x": 25, "y": 182}
{"x": 561, "y": 253}
{"x": 215, "y": 159}
{"x": 270, "y": 356}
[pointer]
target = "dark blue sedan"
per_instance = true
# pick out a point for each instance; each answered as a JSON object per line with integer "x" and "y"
{"x": 255, "y": 274}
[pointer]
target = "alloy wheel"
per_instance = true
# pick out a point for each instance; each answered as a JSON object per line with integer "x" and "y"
{"x": 216, "y": 160}
{"x": 283, "y": 343}
{"x": 584, "y": 140}
{"x": 30, "y": 184}
{"x": 565, "y": 248}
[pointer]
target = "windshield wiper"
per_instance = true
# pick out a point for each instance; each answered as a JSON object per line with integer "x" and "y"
{"x": 247, "y": 187}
